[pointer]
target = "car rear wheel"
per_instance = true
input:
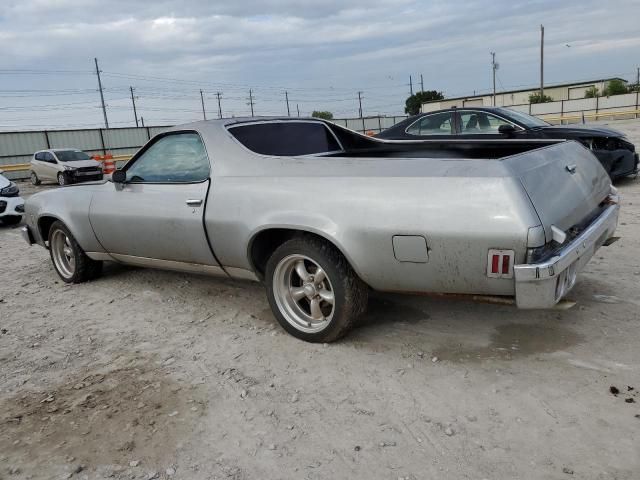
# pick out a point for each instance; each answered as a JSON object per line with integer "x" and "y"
{"x": 313, "y": 292}
{"x": 69, "y": 260}
{"x": 34, "y": 179}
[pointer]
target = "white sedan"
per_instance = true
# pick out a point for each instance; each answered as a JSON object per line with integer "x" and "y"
{"x": 11, "y": 204}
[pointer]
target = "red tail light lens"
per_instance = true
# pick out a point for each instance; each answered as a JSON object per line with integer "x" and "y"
{"x": 500, "y": 263}
{"x": 495, "y": 262}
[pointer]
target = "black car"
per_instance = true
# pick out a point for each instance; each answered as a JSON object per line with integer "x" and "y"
{"x": 616, "y": 153}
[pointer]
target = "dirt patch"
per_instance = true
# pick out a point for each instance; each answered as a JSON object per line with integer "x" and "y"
{"x": 512, "y": 341}
{"x": 112, "y": 417}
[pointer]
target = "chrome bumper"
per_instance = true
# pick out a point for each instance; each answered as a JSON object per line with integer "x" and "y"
{"x": 542, "y": 285}
{"x": 27, "y": 235}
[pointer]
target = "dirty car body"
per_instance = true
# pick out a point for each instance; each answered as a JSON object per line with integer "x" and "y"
{"x": 320, "y": 214}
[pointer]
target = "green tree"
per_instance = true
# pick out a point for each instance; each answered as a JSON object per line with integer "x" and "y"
{"x": 415, "y": 101}
{"x": 591, "y": 92}
{"x": 322, "y": 114}
{"x": 615, "y": 87}
{"x": 536, "y": 98}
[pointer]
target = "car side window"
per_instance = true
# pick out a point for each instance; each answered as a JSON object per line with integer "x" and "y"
{"x": 289, "y": 138}
{"x": 478, "y": 123}
{"x": 436, "y": 124}
{"x": 39, "y": 156}
{"x": 48, "y": 157}
{"x": 174, "y": 158}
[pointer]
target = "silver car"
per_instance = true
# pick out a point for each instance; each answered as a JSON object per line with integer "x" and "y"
{"x": 322, "y": 214}
{"x": 64, "y": 166}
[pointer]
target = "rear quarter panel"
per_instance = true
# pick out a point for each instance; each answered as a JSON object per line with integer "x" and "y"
{"x": 462, "y": 207}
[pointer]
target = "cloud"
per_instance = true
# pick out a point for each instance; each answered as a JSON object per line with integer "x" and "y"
{"x": 323, "y": 52}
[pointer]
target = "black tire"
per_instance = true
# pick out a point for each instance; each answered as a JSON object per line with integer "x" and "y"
{"x": 64, "y": 178}
{"x": 350, "y": 294}
{"x": 34, "y": 179}
{"x": 84, "y": 268}
{"x": 11, "y": 219}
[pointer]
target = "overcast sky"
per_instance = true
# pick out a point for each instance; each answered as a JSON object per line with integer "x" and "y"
{"x": 322, "y": 52}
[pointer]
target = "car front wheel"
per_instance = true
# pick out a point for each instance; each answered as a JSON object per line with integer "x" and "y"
{"x": 68, "y": 258}
{"x": 313, "y": 292}
{"x": 34, "y": 178}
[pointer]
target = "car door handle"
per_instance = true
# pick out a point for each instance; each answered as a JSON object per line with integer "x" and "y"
{"x": 194, "y": 202}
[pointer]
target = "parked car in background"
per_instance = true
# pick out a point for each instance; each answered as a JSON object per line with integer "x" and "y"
{"x": 11, "y": 204}
{"x": 64, "y": 166}
{"x": 616, "y": 153}
{"x": 320, "y": 214}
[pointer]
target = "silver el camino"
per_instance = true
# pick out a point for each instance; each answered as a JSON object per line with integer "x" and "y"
{"x": 321, "y": 214}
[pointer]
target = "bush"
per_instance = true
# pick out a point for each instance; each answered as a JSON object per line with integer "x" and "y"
{"x": 536, "y": 98}
{"x": 615, "y": 87}
{"x": 591, "y": 92}
{"x": 415, "y": 101}
{"x": 322, "y": 114}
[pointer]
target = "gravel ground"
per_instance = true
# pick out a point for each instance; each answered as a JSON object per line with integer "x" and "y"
{"x": 150, "y": 374}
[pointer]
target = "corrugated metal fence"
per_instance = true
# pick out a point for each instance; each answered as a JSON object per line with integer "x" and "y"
{"x": 19, "y": 147}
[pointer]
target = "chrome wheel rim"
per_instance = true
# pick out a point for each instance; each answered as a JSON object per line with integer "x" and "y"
{"x": 62, "y": 254}
{"x": 61, "y": 179}
{"x": 303, "y": 293}
{"x": 34, "y": 178}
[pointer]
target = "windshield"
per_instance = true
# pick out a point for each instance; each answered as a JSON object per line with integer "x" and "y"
{"x": 71, "y": 155}
{"x": 523, "y": 118}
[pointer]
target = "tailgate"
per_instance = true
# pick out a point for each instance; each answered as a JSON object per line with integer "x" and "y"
{"x": 565, "y": 183}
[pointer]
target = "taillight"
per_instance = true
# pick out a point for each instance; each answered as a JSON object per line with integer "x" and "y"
{"x": 500, "y": 263}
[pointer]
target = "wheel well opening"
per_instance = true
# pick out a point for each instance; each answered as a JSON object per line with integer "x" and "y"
{"x": 44, "y": 225}
{"x": 265, "y": 243}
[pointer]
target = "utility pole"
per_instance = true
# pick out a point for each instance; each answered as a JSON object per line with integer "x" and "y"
{"x": 298, "y": 109}
{"x": 142, "y": 121}
{"x": 251, "y": 101}
{"x": 493, "y": 69}
{"x": 204, "y": 114}
{"x": 421, "y": 83}
{"x": 286, "y": 97}
{"x": 218, "y": 94}
{"x": 133, "y": 101}
{"x": 104, "y": 108}
{"x": 360, "y": 103}
{"x": 541, "y": 62}
{"x": 410, "y": 86}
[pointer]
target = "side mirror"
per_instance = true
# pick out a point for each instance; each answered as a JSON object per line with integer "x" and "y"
{"x": 119, "y": 176}
{"x": 507, "y": 129}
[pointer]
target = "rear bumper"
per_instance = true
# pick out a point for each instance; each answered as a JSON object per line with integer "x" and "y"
{"x": 542, "y": 285}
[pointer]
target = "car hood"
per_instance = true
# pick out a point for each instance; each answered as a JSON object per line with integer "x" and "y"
{"x": 4, "y": 182}
{"x": 582, "y": 130}
{"x": 81, "y": 164}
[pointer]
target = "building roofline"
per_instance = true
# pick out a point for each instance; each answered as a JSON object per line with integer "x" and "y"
{"x": 520, "y": 90}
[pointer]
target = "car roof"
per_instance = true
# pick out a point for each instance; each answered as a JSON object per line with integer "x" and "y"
{"x": 54, "y": 150}
{"x": 480, "y": 109}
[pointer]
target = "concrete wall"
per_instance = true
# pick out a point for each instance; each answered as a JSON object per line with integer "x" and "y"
{"x": 567, "y": 92}
{"x": 570, "y": 110}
